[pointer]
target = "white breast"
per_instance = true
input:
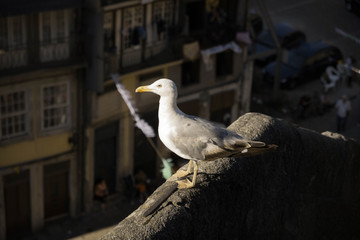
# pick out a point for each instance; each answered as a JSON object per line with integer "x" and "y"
{"x": 166, "y": 134}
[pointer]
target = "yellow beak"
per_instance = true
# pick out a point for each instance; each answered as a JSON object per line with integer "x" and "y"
{"x": 143, "y": 89}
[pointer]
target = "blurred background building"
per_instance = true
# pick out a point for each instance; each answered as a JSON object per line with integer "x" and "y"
{"x": 63, "y": 125}
{"x": 41, "y": 79}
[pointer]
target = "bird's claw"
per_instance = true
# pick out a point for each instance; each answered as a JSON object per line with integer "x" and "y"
{"x": 183, "y": 184}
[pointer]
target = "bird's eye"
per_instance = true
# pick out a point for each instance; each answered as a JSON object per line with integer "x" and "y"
{"x": 159, "y": 85}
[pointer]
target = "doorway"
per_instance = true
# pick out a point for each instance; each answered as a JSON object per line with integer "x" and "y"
{"x": 145, "y": 157}
{"x": 17, "y": 203}
{"x": 106, "y": 143}
{"x": 56, "y": 189}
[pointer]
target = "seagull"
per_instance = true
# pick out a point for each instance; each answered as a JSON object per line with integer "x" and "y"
{"x": 192, "y": 137}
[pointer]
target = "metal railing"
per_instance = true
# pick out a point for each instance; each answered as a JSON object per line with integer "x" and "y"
{"x": 145, "y": 55}
{"x": 13, "y": 56}
{"x": 38, "y": 53}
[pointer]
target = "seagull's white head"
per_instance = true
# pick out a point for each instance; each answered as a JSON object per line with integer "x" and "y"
{"x": 163, "y": 87}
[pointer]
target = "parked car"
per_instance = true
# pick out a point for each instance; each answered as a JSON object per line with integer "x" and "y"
{"x": 353, "y": 5}
{"x": 288, "y": 38}
{"x": 305, "y": 63}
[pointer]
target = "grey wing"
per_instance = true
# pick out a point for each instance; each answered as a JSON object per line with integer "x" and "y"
{"x": 223, "y": 138}
{"x": 228, "y": 139}
{"x": 192, "y": 137}
{"x": 189, "y": 147}
{"x": 197, "y": 137}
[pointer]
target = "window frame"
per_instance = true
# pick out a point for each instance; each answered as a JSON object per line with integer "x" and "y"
{"x": 69, "y": 113}
{"x": 25, "y": 111}
{"x": 16, "y": 41}
{"x": 160, "y": 8}
{"x": 126, "y": 42}
{"x": 54, "y": 27}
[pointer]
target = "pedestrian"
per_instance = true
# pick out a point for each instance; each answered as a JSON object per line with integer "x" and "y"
{"x": 343, "y": 107}
{"x": 101, "y": 192}
{"x": 141, "y": 180}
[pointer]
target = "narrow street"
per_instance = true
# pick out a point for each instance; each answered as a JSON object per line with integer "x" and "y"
{"x": 327, "y": 122}
{"x": 319, "y": 21}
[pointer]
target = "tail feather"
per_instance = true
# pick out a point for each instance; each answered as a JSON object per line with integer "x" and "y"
{"x": 256, "y": 144}
{"x": 257, "y": 149}
{"x": 253, "y": 151}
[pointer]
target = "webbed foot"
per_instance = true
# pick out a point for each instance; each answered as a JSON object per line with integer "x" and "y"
{"x": 181, "y": 173}
{"x": 183, "y": 184}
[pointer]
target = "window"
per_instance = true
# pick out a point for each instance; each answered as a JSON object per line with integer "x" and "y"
{"x": 18, "y": 31}
{"x": 13, "y": 114}
{"x": 13, "y": 32}
{"x": 190, "y": 72}
{"x": 60, "y": 26}
{"x": 54, "y": 27}
{"x": 162, "y": 16}
{"x": 54, "y": 32}
{"x": 46, "y": 28}
{"x": 133, "y": 26}
{"x": 13, "y": 45}
{"x": 55, "y": 106}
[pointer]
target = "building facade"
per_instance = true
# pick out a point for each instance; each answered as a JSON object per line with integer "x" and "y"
{"x": 41, "y": 74}
{"x": 192, "y": 42}
{"x": 63, "y": 125}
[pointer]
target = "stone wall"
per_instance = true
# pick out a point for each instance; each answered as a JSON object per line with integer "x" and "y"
{"x": 308, "y": 189}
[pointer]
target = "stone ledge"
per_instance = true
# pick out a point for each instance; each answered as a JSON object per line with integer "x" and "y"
{"x": 307, "y": 189}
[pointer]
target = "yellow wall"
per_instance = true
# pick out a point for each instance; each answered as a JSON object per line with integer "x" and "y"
{"x": 38, "y": 147}
{"x": 108, "y": 104}
{"x": 34, "y": 149}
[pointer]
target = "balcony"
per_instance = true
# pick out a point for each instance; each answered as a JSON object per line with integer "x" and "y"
{"x": 13, "y": 57}
{"x": 31, "y": 56}
{"x": 144, "y": 55}
{"x": 155, "y": 53}
{"x": 56, "y": 51}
